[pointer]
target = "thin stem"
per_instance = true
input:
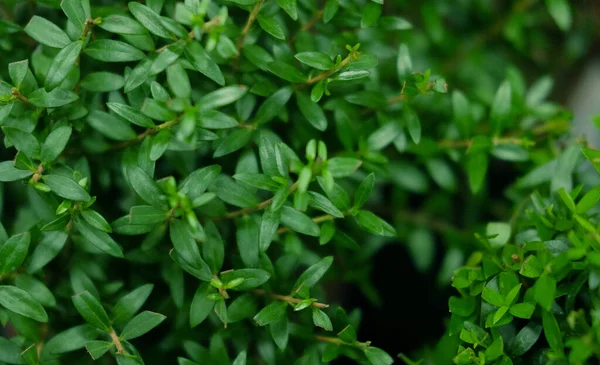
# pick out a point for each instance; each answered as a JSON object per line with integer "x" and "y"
{"x": 140, "y": 137}
{"x": 89, "y": 23}
{"x": 246, "y": 30}
{"x": 426, "y": 220}
{"x": 312, "y": 21}
{"x": 17, "y": 94}
{"x": 337, "y": 341}
{"x": 287, "y": 298}
{"x": 116, "y": 341}
{"x": 249, "y": 210}
{"x": 319, "y": 219}
{"x": 326, "y": 74}
{"x": 496, "y": 141}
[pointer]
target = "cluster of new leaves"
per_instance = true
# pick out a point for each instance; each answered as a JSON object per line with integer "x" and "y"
{"x": 531, "y": 296}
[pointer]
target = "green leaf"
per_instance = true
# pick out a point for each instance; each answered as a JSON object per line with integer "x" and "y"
{"x": 55, "y": 143}
{"x": 233, "y": 142}
{"x": 97, "y": 349}
{"x": 102, "y": 82}
{"x": 53, "y": 99}
{"x": 501, "y": 108}
{"x": 13, "y": 252}
{"x": 91, "y": 310}
{"x": 65, "y": 187}
{"x": 232, "y": 193}
{"x": 522, "y": 310}
{"x": 247, "y": 241}
{"x": 493, "y": 297}
{"x": 242, "y": 307}
{"x": 130, "y": 114}
{"x": 130, "y": 303}
{"x": 560, "y": 10}
{"x": 157, "y": 110}
{"x": 318, "y": 60}
{"x": 290, "y": 7}
{"x": 221, "y": 97}
{"x": 331, "y": 8}
{"x": 525, "y": 339}
{"x": 178, "y": 80}
{"x": 258, "y": 181}
{"x": 285, "y": 71}
{"x": 74, "y": 11}
{"x": 240, "y": 359}
{"x": 50, "y": 244}
{"x": 198, "y": 181}
{"x": 421, "y": 245}
{"x": 268, "y": 228}
{"x": 184, "y": 243}
{"x": 587, "y": 202}
{"x": 201, "y": 305}
{"x": 370, "y": 15}
{"x": 36, "y": 289}
{"x": 273, "y": 105}
{"x": 320, "y": 202}
{"x": 348, "y": 334}
{"x": 19, "y": 301}
{"x": 373, "y": 224}
{"x": 71, "y": 339}
{"x": 377, "y": 356}
{"x": 202, "y": 62}
{"x": 98, "y": 238}
{"x": 149, "y": 19}
{"x": 552, "y": 332}
{"x": 361, "y": 196}
{"x": 108, "y": 50}
{"x": 501, "y": 231}
{"x": 298, "y": 222}
{"x": 311, "y": 111}
{"x": 271, "y": 313}
{"x": 110, "y": 126}
{"x": 314, "y": 273}
{"x": 477, "y": 165}
{"x": 96, "y": 220}
{"x": 145, "y": 187}
{"x": 320, "y": 319}
{"x": 413, "y": 124}
{"x": 141, "y": 324}
{"x": 212, "y": 119}
{"x": 121, "y": 24}
{"x": 343, "y": 166}
{"x": 46, "y": 32}
{"x": 271, "y": 26}
{"x": 147, "y": 214}
{"x": 17, "y": 71}
{"x": 23, "y": 141}
{"x": 280, "y": 332}
{"x": 8, "y": 172}
{"x": 566, "y": 198}
{"x": 544, "y": 290}
{"x": 253, "y": 278}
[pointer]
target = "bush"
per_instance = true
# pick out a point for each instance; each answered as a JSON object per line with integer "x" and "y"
{"x": 253, "y": 156}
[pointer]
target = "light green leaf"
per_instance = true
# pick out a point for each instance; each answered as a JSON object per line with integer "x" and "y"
{"x": 108, "y": 50}
{"x": 149, "y": 19}
{"x": 65, "y": 187}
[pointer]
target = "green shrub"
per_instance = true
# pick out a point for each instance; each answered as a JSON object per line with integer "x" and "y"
{"x": 253, "y": 155}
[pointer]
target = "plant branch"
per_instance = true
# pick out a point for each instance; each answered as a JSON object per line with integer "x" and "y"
{"x": 140, "y": 137}
{"x": 17, "y": 94}
{"x": 326, "y": 74}
{"x": 338, "y": 341}
{"x": 311, "y": 23}
{"x": 287, "y": 298}
{"x": 496, "y": 141}
{"x": 249, "y": 210}
{"x": 319, "y": 219}
{"x": 116, "y": 341}
{"x": 89, "y": 23}
{"x": 246, "y": 30}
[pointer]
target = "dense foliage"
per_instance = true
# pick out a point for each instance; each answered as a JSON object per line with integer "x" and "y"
{"x": 206, "y": 174}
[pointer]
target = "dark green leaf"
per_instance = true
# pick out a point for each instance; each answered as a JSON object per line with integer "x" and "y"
{"x": 13, "y": 252}
{"x": 19, "y": 301}
{"x": 373, "y": 224}
{"x": 98, "y": 348}
{"x": 202, "y": 62}
{"x": 46, "y": 32}
{"x": 314, "y": 273}
{"x": 91, "y": 310}
{"x": 110, "y": 126}
{"x": 271, "y": 313}
{"x": 149, "y": 19}
{"x": 252, "y": 278}
{"x": 141, "y": 324}
{"x": 311, "y": 111}
{"x": 98, "y": 238}
{"x": 131, "y": 114}
{"x": 130, "y": 303}
{"x": 8, "y": 172}
{"x": 54, "y": 144}
{"x": 147, "y": 189}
